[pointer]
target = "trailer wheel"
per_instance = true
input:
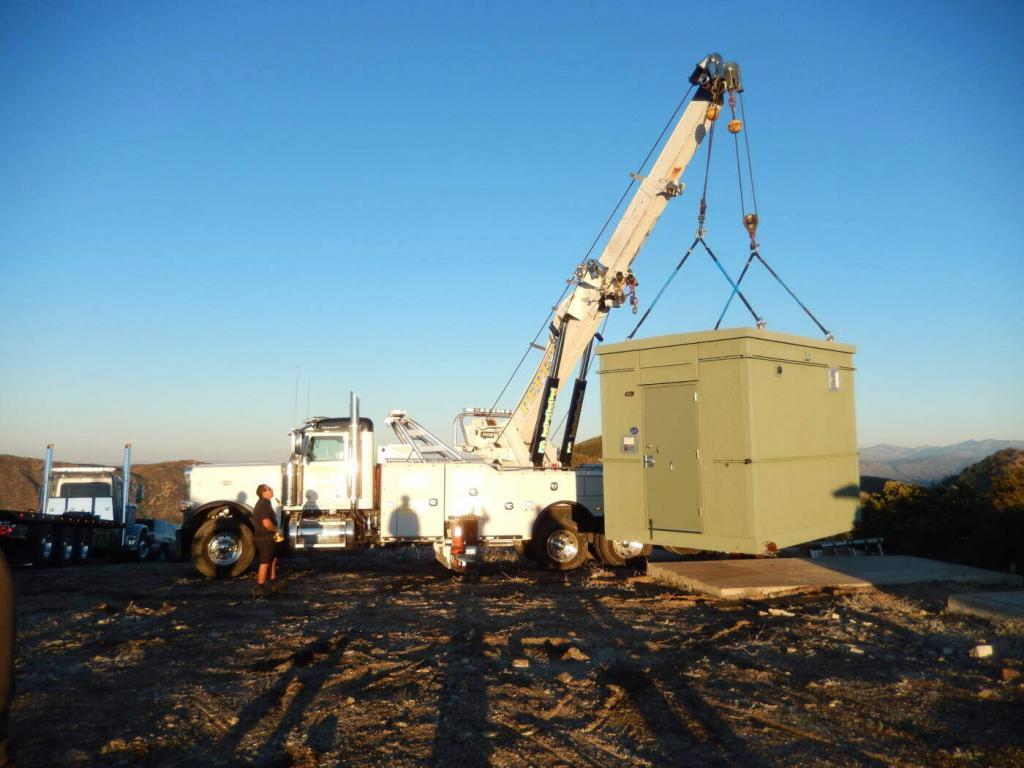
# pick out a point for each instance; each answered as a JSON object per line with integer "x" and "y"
{"x": 559, "y": 547}
{"x": 64, "y": 546}
{"x": 222, "y": 548}
{"x": 42, "y": 547}
{"x": 83, "y": 547}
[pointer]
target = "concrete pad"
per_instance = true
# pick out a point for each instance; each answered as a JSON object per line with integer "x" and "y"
{"x": 1001, "y": 606}
{"x": 742, "y": 579}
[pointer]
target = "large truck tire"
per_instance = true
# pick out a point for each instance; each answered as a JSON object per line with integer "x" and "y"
{"x": 141, "y": 554}
{"x": 559, "y": 545}
{"x": 616, "y": 554}
{"x": 41, "y": 543}
{"x": 223, "y": 548}
{"x": 83, "y": 546}
{"x": 64, "y": 546}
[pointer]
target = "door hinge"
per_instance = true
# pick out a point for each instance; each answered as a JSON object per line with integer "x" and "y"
{"x": 697, "y": 451}
{"x": 695, "y": 397}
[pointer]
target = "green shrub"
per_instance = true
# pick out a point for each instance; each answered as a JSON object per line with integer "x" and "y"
{"x": 975, "y": 518}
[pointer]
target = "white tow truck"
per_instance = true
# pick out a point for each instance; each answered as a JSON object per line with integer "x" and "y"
{"x": 504, "y": 484}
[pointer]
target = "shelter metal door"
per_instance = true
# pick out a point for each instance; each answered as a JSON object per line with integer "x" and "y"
{"x": 671, "y": 471}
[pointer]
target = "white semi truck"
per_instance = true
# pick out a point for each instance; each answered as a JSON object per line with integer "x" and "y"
{"x": 505, "y": 483}
{"x": 84, "y": 509}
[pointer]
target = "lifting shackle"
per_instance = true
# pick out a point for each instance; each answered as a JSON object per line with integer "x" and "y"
{"x": 733, "y": 84}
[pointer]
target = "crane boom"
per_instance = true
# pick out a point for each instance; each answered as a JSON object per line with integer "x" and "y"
{"x": 602, "y": 284}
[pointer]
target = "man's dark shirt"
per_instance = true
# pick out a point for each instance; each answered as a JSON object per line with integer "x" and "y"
{"x": 263, "y": 511}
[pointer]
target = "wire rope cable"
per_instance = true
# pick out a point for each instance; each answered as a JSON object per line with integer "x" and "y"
{"x": 665, "y": 285}
{"x": 632, "y": 181}
{"x": 707, "y": 172}
{"x": 739, "y": 174}
{"x": 803, "y": 306}
{"x": 750, "y": 164}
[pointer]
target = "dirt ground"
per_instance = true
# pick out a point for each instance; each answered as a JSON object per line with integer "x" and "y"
{"x": 384, "y": 659}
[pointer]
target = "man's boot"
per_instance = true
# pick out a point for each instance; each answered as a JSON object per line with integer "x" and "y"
{"x": 261, "y": 591}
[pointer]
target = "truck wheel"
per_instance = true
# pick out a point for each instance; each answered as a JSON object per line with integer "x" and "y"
{"x": 142, "y": 553}
{"x": 83, "y": 547}
{"x": 162, "y": 555}
{"x": 617, "y": 553}
{"x": 559, "y": 547}
{"x": 64, "y": 549}
{"x": 222, "y": 548}
{"x": 42, "y": 547}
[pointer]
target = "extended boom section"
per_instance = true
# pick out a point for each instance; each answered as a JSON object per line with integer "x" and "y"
{"x": 603, "y": 283}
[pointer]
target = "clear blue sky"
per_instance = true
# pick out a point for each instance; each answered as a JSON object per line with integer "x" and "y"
{"x": 196, "y": 198}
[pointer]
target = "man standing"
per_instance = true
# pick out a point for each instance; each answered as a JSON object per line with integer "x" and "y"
{"x": 266, "y": 536}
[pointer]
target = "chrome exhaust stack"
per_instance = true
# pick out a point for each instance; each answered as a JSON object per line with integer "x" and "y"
{"x": 291, "y": 480}
{"x": 126, "y": 482}
{"x": 44, "y": 489}
{"x": 355, "y": 454}
{"x": 291, "y": 472}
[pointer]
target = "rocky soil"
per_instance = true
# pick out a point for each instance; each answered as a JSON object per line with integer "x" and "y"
{"x": 384, "y": 659}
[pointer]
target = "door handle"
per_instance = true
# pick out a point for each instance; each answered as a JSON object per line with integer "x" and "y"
{"x": 648, "y": 460}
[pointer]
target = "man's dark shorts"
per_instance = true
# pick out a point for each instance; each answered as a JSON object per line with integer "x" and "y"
{"x": 266, "y": 548}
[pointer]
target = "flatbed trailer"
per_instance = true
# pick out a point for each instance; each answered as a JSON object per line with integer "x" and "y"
{"x": 82, "y": 510}
{"x": 65, "y": 539}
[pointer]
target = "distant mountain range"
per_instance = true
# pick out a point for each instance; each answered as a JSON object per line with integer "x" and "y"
{"x": 927, "y": 464}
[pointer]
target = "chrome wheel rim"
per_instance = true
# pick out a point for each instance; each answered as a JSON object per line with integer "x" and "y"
{"x": 68, "y": 550}
{"x": 46, "y": 548}
{"x": 224, "y": 549}
{"x": 563, "y": 546}
{"x": 627, "y": 549}
{"x": 83, "y": 552}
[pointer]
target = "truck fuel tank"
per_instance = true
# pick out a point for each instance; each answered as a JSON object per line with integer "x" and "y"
{"x": 321, "y": 533}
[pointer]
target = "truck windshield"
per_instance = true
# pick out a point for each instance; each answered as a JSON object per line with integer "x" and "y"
{"x": 327, "y": 448}
{"x": 84, "y": 490}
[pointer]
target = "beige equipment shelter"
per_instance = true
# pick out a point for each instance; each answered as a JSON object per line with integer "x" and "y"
{"x": 737, "y": 440}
